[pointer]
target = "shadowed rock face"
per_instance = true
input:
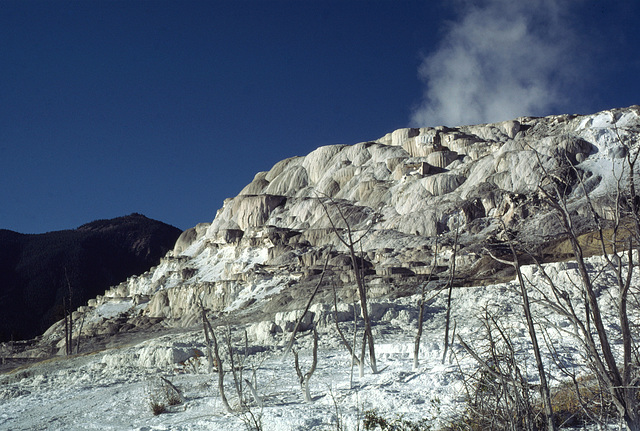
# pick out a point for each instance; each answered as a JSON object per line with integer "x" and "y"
{"x": 36, "y": 270}
{"x": 267, "y": 246}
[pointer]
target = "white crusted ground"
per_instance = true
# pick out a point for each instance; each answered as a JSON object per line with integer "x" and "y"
{"x": 110, "y": 389}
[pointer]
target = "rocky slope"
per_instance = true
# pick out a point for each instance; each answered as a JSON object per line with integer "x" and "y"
{"x": 37, "y": 270}
{"x": 110, "y": 389}
{"x": 266, "y": 248}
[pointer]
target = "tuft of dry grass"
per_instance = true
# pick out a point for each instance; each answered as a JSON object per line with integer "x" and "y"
{"x": 580, "y": 402}
{"x": 157, "y": 407}
{"x": 163, "y": 393}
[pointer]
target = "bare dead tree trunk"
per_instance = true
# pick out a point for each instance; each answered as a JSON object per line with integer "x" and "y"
{"x": 236, "y": 372}
{"x": 68, "y": 317}
{"x": 343, "y": 338}
{"x": 363, "y": 352}
{"x": 604, "y": 358}
{"x": 354, "y": 359}
{"x": 304, "y": 378}
{"x": 421, "y": 305}
{"x": 66, "y": 327}
{"x": 213, "y": 354}
{"x": 350, "y": 242}
{"x": 364, "y": 310}
{"x": 207, "y": 338}
{"x": 80, "y": 334}
{"x": 254, "y": 393}
{"x": 306, "y": 308}
{"x": 544, "y": 386}
{"x": 452, "y": 271}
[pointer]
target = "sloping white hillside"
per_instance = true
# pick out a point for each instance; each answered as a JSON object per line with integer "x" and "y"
{"x": 111, "y": 389}
{"x": 411, "y": 186}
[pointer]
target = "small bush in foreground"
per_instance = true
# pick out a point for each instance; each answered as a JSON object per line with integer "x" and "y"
{"x": 582, "y": 402}
{"x": 157, "y": 407}
{"x": 373, "y": 422}
{"x": 163, "y": 393}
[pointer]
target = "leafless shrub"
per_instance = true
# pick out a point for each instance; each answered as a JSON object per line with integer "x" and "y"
{"x": 246, "y": 412}
{"x": 499, "y": 394}
{"x": 172, "y": 394}
{"x": 162, "y": 393}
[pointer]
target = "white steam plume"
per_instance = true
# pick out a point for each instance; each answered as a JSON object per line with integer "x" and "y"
{"x": 501, "y": 59}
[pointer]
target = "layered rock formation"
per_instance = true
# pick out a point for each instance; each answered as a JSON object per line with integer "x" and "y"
{"x": 266, "y": 247}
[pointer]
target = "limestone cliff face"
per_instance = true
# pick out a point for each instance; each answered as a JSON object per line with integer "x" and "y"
{"x": 267, "y": 245}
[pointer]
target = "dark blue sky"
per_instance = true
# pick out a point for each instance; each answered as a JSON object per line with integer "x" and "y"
{"x": 167, "y": 108}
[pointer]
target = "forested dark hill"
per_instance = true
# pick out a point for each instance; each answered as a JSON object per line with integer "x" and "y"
{"x": 36, "y": 271}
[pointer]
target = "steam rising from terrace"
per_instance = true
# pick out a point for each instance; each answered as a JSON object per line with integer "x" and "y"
{"x": 499, "y": 60}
